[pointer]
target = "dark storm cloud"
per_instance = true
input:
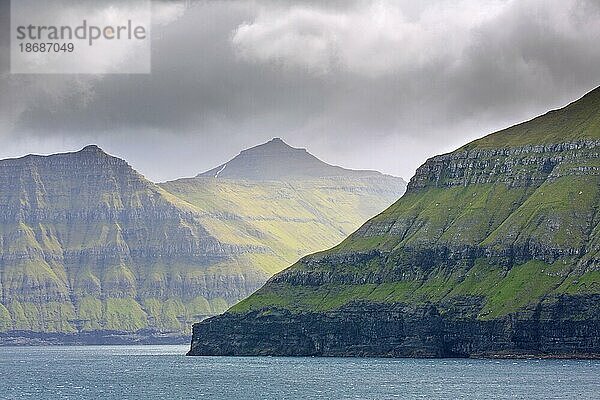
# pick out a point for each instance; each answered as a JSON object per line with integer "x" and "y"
{"x": 380, "y": 84}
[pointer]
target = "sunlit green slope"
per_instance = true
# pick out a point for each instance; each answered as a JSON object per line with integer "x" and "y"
{"x": 500, "y": 226}
{"x": 286, "y": 199}
{"x": 292, "y": 218}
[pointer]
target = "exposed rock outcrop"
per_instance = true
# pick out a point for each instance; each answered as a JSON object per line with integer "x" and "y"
{"x": 400, "y": 330}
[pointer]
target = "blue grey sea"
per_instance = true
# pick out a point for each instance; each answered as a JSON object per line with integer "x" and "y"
{"x": 163, "y": 372}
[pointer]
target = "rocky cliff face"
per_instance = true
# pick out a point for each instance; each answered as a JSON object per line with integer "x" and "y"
{"x": 91, "y": 251}
{"x": 400, "y": 330}
{"x": 494, "y": 249}
{"x": 87, "y": 243}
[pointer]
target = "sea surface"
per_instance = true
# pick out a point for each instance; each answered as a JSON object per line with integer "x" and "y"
{"x": 163, "y": 372}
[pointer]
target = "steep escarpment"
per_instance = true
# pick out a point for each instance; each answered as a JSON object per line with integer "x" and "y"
{"x": 92, "y": 252}
{"x": 87, "y": 243}
{"x": 493, "y": 250}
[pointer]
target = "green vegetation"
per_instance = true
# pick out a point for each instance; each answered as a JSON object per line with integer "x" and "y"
{"x": 5, "y": 319}
{"x": 48, "y": 317}
{"x": 588, "y": 283}
{"x": 505, "y": 231}
{"x": 290, "y": 218}
{"x": 523, "y": 285}
{"x": 90, "y": 313}
{"x": 501, "y": 291}
{"x": 125, "y": 315}
{"x": 577, "y": 121}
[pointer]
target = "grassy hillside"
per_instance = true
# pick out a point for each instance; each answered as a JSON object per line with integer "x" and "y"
{"x": 577, "y": 121}
{"x": 500, "y": 226}
{"x": 292, "y": 218}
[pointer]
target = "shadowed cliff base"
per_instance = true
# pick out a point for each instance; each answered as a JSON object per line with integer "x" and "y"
{"x": 399, "y": 330}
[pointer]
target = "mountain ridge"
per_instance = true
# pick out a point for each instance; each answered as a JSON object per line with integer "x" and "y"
{"x": 75, "y": 234}
{"x": 276, "y": 160}
{"x": 494, "y": 250}
{"x": 582, "y": 110}
{"x": 92, "y": 251}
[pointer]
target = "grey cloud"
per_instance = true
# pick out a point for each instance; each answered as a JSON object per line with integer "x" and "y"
{"x": 378, "y": 85}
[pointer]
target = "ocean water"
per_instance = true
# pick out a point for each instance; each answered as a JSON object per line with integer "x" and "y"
{"x": 163, "y": 372}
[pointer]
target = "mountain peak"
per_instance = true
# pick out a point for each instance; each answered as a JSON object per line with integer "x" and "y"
{"x": 277, "y": 160}
{"x": 276, "y": 141}
{"x": 92, "y": 148}
{"x": 275, "y": 145}
{"x": 93, "y": 151}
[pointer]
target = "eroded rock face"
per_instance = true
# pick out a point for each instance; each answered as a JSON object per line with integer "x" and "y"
{"x": 87, "y": 243}
{"x": 400, "y": 330}
{"x": 516, "y": 221}
{"x": 493, "y": 250}
{"x": 522, "y": 166}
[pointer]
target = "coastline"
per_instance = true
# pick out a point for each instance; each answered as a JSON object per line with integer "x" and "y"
{"x": 96, "y": 338}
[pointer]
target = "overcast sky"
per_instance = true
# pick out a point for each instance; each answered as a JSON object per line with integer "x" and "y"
{"x": 363, "y": 84}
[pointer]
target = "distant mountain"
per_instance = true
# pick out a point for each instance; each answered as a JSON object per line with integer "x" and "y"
{"x": 494, "y": 250}
{"x": 91, "y": 251}
{"x": 286, "y": 199}
{"x": 276, "y": 160}
{"x": 89, "y": 244}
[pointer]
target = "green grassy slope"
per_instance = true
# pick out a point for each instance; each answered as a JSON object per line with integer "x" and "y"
{"x": 503, "y": 223}
{"x": 577, "y": 121}
{"x": 292, "y": 218}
